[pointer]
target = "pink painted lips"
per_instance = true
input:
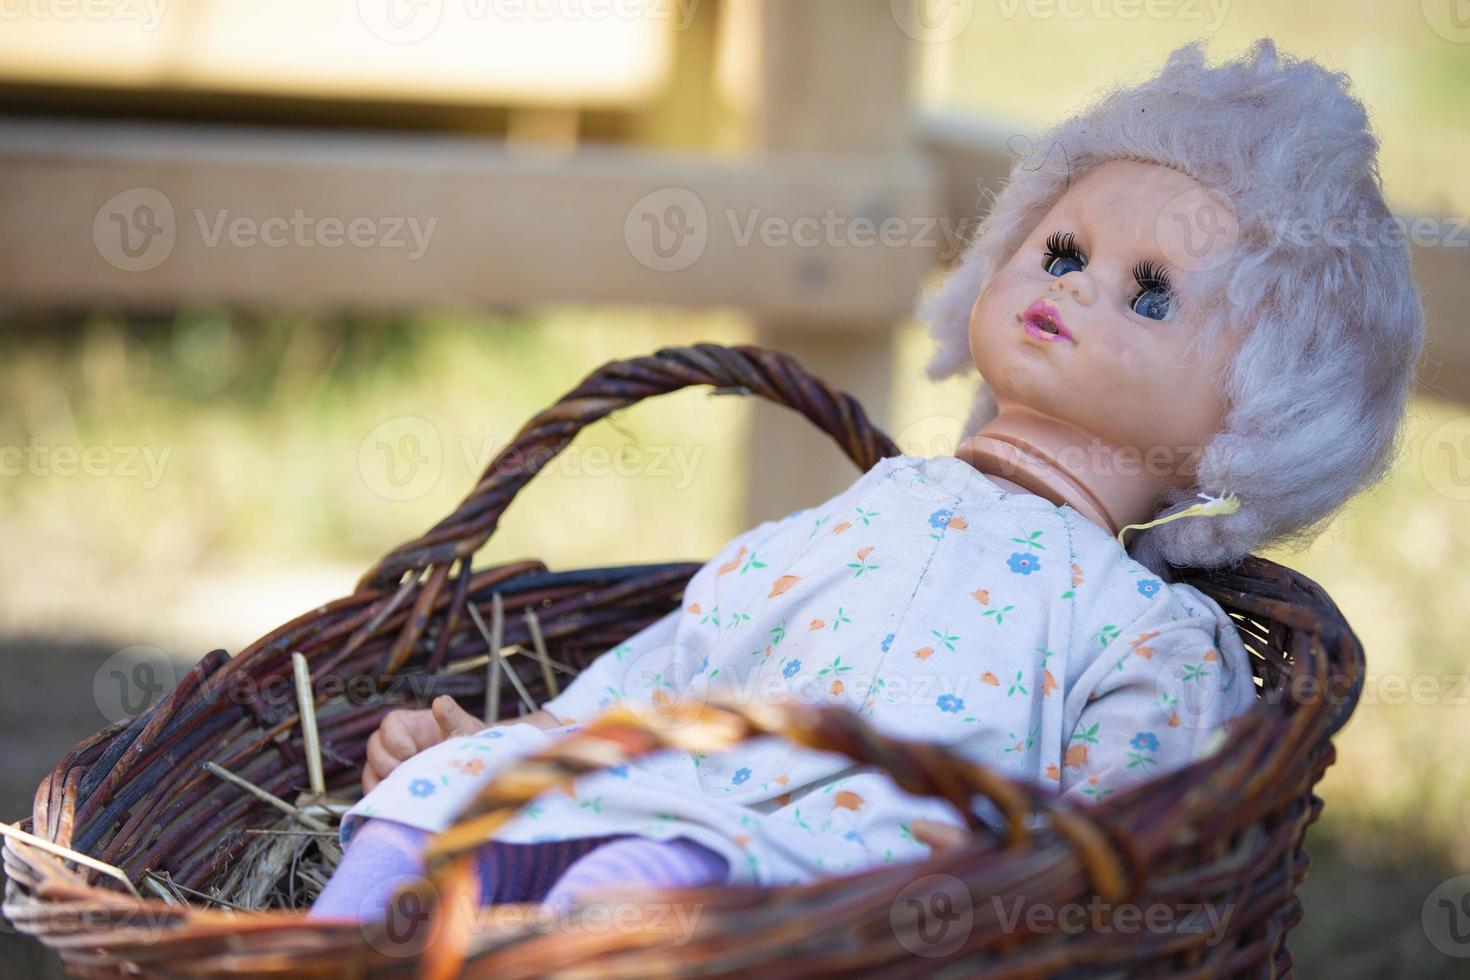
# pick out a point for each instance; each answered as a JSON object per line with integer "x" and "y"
{"x": 1044, "y": 322}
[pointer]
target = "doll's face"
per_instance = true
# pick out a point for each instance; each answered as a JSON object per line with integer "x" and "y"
{"x": 1095, "y": 267}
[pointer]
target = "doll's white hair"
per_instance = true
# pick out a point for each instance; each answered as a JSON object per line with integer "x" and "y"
{"x": 1332, "y": 322}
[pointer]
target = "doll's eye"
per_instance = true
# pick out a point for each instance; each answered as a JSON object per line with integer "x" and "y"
{"x": 1062, "y": 255}
{"x": 1155, "y": 296}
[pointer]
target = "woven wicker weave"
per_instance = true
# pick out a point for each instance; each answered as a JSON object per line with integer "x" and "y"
{"x": 1226, "y": 832}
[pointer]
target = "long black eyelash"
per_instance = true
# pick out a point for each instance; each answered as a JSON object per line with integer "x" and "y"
{"x": 1063, "y": 245}
{"x": 1151, "y": 276}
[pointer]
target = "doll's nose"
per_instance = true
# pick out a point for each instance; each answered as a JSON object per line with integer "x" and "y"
{"x": 1078, "y": 284}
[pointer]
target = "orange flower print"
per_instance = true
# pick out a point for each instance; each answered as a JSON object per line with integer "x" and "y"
{"x": 1053, "y": 773}
{"x": 1146, "y": 653}
{"x": 470, "y": 767}
{"x": 846, "y": 799}
{"x": 841, "y": 527}
{"x": 923, "y": 653}
{"x": 1076, "y": 575}
{"x": 864, "y": 552}
{"x": 836, "y": 688}
{"x": 733, "y": 563}
{"x": 989, "y": 678}
{"x": 784, "y": 799}
{"x": 958, "y": 523}
{"x": 1048, "y": 683}
{"x": 1174, "y": 721}
{"x": 1076, "y": 756}
{"x": 741, "y": 839}
{"x": 816, "y": 624}
{"x": 694, "y": 608}
{"x": 1212, "y": 655}
{"x": 782, "y": 779}
{"x": 982, "y": 596}
{"x": 782, "y": 585}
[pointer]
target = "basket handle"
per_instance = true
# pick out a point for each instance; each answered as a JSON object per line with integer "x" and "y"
{"x": 623, "y": 733}
{"x": 749, "y": 369}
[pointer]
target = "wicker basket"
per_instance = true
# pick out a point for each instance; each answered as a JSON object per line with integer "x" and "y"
{"x": 1225, "y": 834}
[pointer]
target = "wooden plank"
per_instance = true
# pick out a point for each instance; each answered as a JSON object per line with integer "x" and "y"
{"x": 267, "y": 218}
{"x": 834, "y": 77}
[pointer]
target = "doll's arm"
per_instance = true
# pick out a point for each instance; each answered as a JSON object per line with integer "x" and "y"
{"x": 1163, "y": 702}
{"x": 406, "y": 732}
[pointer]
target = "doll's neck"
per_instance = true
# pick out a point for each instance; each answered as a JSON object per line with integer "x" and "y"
{"x": 1065, "y": 464}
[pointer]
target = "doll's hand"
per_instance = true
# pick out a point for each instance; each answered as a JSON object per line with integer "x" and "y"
{"x": 940, "y": 837}
{"x": 405, "y": 733}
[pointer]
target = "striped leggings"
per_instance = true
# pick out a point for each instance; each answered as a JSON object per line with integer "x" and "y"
{"x": 384, "y": 855}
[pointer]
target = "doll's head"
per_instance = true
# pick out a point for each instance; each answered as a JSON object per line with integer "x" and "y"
{"x": 1219, "y": 239}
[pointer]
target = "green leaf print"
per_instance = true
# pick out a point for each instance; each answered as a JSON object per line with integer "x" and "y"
{"x": 1088, "y": 735}
{"x": 594, "y": 804}
{"x": 1030, "y": 541}
{"x": 1136, "y": 759}
{"x": 1016, "y": 685}
{"x": 737, "y": 619}
{"x": 839, "y": 619}
{"x": 621, "y": 649}
{"x": 817, "y": 526}
{"x": 1193, "y": 672}
{"x": 1107, "y": 634}
{"x": 862, "y": 565}
{"x": 712, "y": 616}
{"x": 946, "y": 638}
{"x": 866, "y": 516}
{"x": 778, "y": 633}
{"x": 751, "y": 561}
{"x": 835, "y": 667}
{"x": 1017, "y": 745}
{"x": 1000, "y": 613}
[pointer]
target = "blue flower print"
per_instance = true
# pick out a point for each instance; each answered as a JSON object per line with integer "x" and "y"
{"x": 1023, "y": 564}
{"x": 791, "y": 669}
{"x": 421, "y": 788}
{"x": 620, "y": 771}
{"x": 1145, "y": 742}
{"x": 1148, "y": 587}
{"x": 887, "y": 642}
{"x": 940, "y": 518}
{"x": 949, "y": 703}
{"x": 741, "y": 775}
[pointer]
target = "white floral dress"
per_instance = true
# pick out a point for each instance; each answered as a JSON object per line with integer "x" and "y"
{"x": 926, "y": 598}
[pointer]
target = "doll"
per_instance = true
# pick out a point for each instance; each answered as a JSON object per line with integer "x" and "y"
{"x": 1152, "y": 330}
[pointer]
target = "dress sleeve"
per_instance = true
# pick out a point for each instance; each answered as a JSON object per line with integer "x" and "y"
{"x": 1166, "y": 699}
